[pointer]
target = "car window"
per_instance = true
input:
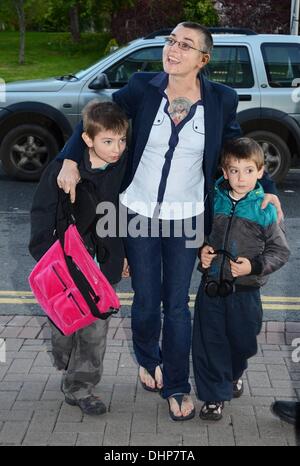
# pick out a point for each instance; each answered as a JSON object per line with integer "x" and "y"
{"x": 282, "y": 63}
{"x": 146, "y": 59}
{"x": 230, "y": 65}
{"x": 83, "y": 73}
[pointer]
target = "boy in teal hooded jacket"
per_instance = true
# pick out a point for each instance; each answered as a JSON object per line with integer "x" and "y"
{"x": 246, "y": 244}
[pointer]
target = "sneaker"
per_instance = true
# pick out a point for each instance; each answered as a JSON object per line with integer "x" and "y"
{"x": 91, "y": 405}
{"x": 212, "y": 411}
{"x": 238, "y": 388}
{"x": 288, "y": 411}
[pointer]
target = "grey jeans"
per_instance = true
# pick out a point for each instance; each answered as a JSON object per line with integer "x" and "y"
{"x": 81, "y": 357}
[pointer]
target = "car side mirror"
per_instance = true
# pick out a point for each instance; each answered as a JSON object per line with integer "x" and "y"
{"x": 100, "y": 82}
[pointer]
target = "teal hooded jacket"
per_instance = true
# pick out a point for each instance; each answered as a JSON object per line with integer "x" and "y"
{"x": 244, "y": 229}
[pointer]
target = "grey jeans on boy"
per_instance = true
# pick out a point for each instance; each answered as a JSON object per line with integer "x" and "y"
{"x": 81, "y": 357}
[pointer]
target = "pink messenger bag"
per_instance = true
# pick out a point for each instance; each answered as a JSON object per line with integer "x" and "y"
{"x": 70, "y": 287}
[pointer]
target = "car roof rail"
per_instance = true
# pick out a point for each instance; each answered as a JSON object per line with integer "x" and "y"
{"x": 229, "y": 30}
{"x": 160, "y": 32}
{"x": 213, "y": 30}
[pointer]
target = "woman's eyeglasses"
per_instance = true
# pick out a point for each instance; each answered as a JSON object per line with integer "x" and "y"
{"x": 182, "y": 45}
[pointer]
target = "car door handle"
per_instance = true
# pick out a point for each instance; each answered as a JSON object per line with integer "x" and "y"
{"x": 245, "y": 97}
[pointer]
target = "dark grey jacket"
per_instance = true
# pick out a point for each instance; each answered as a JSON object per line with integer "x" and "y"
{"x": 244, "y": 229}
{"x": 47, "y": 213}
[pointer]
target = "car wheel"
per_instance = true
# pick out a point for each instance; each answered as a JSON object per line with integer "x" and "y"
{"x": 277, "y": 154}
{"x": 26, "y": 151}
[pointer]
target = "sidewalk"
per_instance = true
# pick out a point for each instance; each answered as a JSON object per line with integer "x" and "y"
{"x": 33, "y": 411}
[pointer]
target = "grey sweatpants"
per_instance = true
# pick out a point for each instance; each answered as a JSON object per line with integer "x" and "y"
{"x": 81, "y": 357}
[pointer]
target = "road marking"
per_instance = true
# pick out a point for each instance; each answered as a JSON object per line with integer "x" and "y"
{"x": 287, "y": 299}
{"x": 17, "y": 301}
{"x": 282, "y": 307}
{"x": 26, "y": 297}
{"x": 8, "y": 212}
{"x": 129, "y": 295}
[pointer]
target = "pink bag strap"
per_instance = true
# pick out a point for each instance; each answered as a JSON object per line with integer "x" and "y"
{"x": 66, "y": 209}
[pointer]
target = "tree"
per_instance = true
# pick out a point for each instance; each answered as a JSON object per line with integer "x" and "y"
{"x": 147, "y": 16}
{"x": 8, "y": 15}
{"x": 267, "y": 16}
{"x": 65, "y": 14}
{"x": 201, "y": 11}
{"x": 144, "y": 17}
{"x": 35, "y": 13}
{"x": 74, "y": 6}
{"x": 19, "y": 4}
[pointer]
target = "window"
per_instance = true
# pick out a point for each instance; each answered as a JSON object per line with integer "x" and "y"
{"x": 147, "y": 59}
{"x": 230, "y": 65}
{"x": 282, "y": 63}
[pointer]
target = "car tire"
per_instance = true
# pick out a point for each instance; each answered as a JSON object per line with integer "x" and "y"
{"x": 277, "y": 154}
{"x": 26, "y": 150}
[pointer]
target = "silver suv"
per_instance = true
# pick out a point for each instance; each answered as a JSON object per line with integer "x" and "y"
{"x": 38, "y": 116}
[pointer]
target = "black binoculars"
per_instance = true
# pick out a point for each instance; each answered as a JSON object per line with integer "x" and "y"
{"x": 224, "y": 287}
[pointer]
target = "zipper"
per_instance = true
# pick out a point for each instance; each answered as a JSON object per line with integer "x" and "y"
{"x": 233, "y": 207}
{"x": 59, "y": 277}
{"x": 70, "y": 295}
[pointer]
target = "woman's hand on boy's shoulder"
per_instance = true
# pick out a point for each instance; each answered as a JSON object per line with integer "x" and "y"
{"x": 273, "y": 199}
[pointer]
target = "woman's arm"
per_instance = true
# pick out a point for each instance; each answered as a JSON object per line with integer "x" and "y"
{"x": 43, "y": 213}
{"x": 232, "y": 130}
{"x": 74, "y": 147}
{"x": 73, "y": 150}
{"x": 71, "y": 154}
{"x": 232, "y": 127}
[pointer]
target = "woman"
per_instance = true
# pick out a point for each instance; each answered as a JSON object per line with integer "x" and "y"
{"x": 179, "y": 123}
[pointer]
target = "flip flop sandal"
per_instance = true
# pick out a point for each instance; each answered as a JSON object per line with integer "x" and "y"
{"x": 179, "y": 399}
{"x": 146, "y": 387}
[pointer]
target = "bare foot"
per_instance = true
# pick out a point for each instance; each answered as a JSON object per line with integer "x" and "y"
{"x": 187, "y": 406}
{"x": 158, "y": 377}
{"x": 147, "y": 379}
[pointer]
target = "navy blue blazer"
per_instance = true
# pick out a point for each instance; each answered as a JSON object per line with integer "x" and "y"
{"x": 141, "y": 98}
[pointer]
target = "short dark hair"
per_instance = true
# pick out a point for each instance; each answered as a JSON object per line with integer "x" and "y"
{"x": 208, "y": 40}
{"x": 242, "y": 149}
{"x": 101, "y": 116}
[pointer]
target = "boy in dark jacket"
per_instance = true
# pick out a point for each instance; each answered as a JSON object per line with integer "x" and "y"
{"x": 245, "y": 245}
{"x": 102, "y": 169}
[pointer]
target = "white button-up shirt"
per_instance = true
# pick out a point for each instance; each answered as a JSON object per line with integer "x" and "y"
{"x": 169, "y": 180}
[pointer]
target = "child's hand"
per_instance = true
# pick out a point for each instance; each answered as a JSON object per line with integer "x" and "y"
{"x": 126, "y": 270}
{"x": 207, "y": 256}
{"x": 241, "y": 267}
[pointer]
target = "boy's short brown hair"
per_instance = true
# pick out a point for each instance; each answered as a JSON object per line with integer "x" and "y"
{"x": 242, "y": 149}
{"x": 103, "y": 116}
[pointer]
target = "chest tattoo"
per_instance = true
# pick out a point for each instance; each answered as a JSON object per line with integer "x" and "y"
{"x": 179, "y": 109}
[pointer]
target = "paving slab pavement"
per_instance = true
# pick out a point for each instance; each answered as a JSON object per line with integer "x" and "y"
{"x": 33, "y": 411}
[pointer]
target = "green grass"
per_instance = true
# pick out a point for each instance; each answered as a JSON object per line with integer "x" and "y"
{"x": 48, "y": 54}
